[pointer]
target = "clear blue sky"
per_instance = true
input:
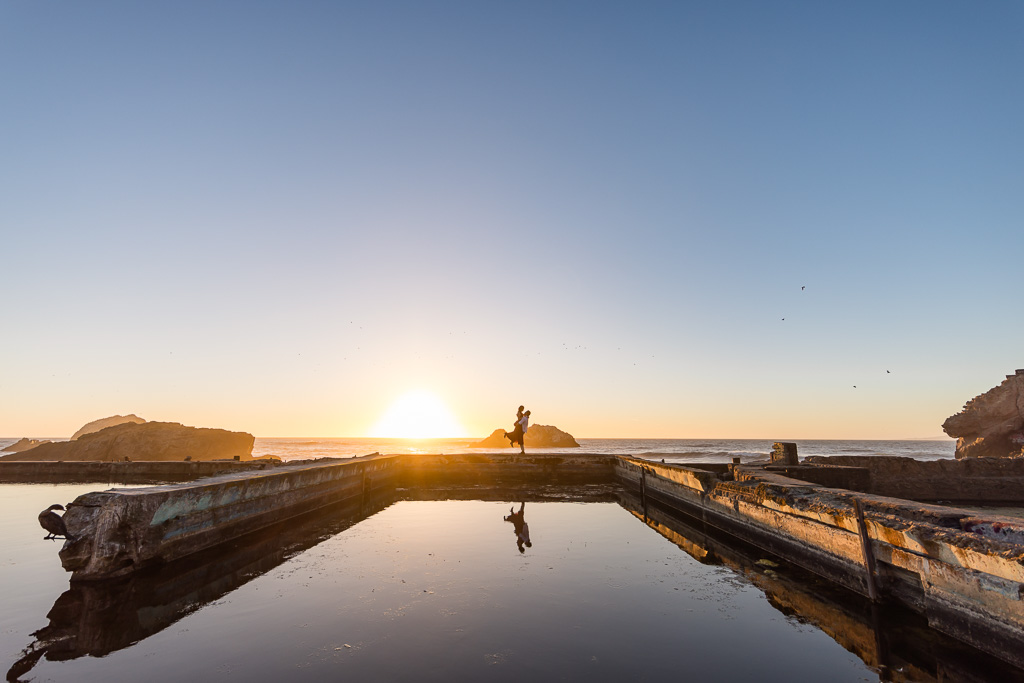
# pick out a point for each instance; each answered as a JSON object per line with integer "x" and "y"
{"x": 281, "y": 217}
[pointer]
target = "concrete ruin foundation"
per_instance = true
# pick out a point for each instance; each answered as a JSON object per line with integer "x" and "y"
{"x": 836, "y": 517}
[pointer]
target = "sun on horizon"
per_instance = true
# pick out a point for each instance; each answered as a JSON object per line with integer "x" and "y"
{"x": 418, "y": 414}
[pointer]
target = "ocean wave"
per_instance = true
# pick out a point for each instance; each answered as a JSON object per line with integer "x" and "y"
{"x": 672, "y": 450}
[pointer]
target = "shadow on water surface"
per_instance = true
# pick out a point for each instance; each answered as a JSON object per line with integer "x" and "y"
{"x": 96, "y": 619}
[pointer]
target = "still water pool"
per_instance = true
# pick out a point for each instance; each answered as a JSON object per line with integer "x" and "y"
{"x": 440, "y": 591}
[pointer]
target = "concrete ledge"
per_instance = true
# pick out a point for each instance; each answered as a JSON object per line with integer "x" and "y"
{"x": 992, "y": 481}
{"x": 886, "y": 639}
{"x": 833, "y": 476}
{"x": 95, "y": 618}
{"x": 968, "y": 583}
{"x": 119, "y": 531}
{"x": 76, "y": 471}
{"x": 504, "y": 469}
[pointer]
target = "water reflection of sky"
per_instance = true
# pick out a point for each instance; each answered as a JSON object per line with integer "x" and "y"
{"x": 439, "y": 591}
{"x": 30, "y": 573}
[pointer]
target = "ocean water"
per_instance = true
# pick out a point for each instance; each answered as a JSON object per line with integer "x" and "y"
{"x": 671, "y": 450}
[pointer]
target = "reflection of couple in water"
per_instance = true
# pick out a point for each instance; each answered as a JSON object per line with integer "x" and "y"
{"x": 520, "y": 526}
{"x": 518, "y": 432}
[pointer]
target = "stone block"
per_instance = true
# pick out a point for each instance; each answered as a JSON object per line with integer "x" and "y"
{"x": 784, "y": 453}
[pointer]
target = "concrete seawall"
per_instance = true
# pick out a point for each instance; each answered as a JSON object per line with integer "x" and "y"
{"x": 76, "y": 471}
{"x": 900, "y": 646}
{"x": 505, "y": 469}
{"x": 119, "y": 531}
{"x": 975, "y": 481}
{"x": 964, "y": 573}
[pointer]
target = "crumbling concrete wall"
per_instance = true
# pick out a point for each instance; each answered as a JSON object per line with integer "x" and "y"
{"x": 82, "y": 471}
{"x": 118, "y": 531}
{"x": 965, "y": 574}
{"x": 975, "y": 481}
{"x": 898, "y": 648}
{"x": 504, "y": 469}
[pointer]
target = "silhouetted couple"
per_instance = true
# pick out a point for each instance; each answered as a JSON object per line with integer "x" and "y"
{"x": 520, "y": 526}
{"x": 518, "y": 433}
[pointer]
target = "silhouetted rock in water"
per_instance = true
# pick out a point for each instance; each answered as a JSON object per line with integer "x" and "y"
{"x": 97, "y": 425}
{"x": 991, "y": 425}
{"x": 145, "y": 442}
{"x": 24, "y": 444}
{"x": 537, "y": 436}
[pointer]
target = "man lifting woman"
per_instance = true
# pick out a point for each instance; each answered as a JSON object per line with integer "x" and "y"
{"x": 518, "y": 433}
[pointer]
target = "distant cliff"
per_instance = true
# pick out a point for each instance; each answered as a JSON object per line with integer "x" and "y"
{"x": 24, "y": 445}
{"x": 146, "y": 441}
{"x": 991, "y": 425}
{"x": 537, "y": 436}
{"x": 103, "y": 423}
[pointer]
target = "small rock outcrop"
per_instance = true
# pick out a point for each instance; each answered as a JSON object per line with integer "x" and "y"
{"x": 24, "y": 444}
{"x": 537, "y": 436}
{"x": 146, "y": 442}
{"x": 991, "y": 425}
{"x": 103, "y": 423}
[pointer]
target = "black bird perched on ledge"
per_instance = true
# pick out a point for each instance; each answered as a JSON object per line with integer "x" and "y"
{"x": 53, "y": 523}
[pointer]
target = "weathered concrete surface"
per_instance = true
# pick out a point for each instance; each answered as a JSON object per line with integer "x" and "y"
{"x": 828, "y": 474}
{"x": 897, "y": 644}
{"x": 82, "y": 471}
{"x": 977, "y": 481}
{"x": 147, "y": 441}
{"x": 119, "y": 531}
{"x": 96, "y": 618}
{"x": 537, "y": 436}
{"x": 931, "y": 558}
{"x": 504, "y": 469}
{"x": 783, "y": 453}
{"x": 991, "y": 425}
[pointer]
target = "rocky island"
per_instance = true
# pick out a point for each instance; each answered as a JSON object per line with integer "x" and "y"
{"x": 145, "y": 441}
{"x": 103, "y": 423}
{"x": 537, "y": 436}
{"x": 991, "y": 425}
